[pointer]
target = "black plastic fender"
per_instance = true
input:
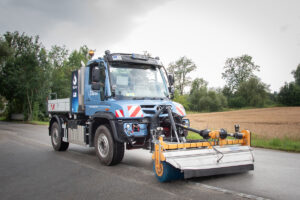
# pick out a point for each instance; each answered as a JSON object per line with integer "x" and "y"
{"x": 53, "y": 119}
{"x": 109, "y": 117}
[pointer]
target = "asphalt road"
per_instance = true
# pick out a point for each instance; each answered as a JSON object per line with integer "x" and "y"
{"x": 31, "y": 169}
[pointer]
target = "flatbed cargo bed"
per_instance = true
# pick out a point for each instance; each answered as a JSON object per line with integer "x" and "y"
{"x": 59, "y": 105}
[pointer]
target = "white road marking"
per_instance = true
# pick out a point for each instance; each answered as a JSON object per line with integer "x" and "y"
{"x": 234, "y": 193}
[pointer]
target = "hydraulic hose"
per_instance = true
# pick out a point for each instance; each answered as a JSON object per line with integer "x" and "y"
{"x": 172, "y": 123}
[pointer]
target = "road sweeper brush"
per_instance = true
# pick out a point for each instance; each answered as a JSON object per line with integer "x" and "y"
{"x": 175, "y": 157}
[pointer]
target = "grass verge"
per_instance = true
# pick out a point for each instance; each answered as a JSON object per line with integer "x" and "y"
{"x": 38, "y": 122}
{"x": 26, "y": 122}
{"x": 285, "y": 144}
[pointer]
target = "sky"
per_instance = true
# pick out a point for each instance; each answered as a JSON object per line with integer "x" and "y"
{"x": 206, "y": 31}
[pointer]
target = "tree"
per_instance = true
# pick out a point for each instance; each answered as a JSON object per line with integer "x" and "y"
{"x": 76, "y": 56}
{"x": 197, "y": 84}
{"x": 5, "y": 51}
{"x": 203, "y": 99}
{"x": 57, "y": 56}
{"x": 2, "y": 104}
{"x": 252, "y": 93}
{"x": 63, "y": 65}
{"x": 181, "y": 68}
{"x": 289, "y": 94}
{"x": 296, "y": 74}
{"x": 23, "y": 78}
{"x": 198, "y": 92}
{"x": 238, "y": 70}
{"x": 58, "y": 60}
{"x": 28, "y": 73}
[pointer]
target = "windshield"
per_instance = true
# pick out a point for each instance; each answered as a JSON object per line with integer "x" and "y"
{"x": 131, "y": 81}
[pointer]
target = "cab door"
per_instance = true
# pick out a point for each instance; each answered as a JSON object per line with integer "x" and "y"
{"x": 95, "y": 87}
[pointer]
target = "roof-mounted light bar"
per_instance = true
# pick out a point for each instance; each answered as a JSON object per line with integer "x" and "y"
{"x": 139, "y": 57}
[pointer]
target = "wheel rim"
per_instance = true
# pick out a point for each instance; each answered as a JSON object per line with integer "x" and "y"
{"x": 103, "y": 145}
{"x": 55, "y": 136}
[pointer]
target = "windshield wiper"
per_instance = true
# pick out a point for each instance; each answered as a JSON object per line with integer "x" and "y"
{"x": 156, "y": 98}
{"x": 139, "y": 98}
{"x": 148, "y": 98}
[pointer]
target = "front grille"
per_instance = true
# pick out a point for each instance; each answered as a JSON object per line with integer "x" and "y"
{"x": 147, "y": 106}
{"x": 152, "y": 109}
{"x": 149, "y": 111}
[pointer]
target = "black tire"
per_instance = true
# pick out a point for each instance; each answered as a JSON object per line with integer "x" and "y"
{"x": 108, "y": 151}
{"x": 56, "y": 138}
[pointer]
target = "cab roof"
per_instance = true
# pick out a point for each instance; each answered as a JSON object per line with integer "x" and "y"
{"x": 128, "y": 58}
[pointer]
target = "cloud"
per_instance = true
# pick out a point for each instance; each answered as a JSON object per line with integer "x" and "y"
{"x": 75, "y": 22}
{"x": 284, "y": 28}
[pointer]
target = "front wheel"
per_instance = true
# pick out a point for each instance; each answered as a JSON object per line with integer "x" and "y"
{"x": 56, "y": 138}
{"x": 108, "y": 151}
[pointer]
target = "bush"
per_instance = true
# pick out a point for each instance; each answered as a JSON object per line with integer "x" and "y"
{"x": 237, "y": 102}
{"x": 203, "y": 99}
{"x": 182, "y": 99}
{"x": 289, "y": 94}
{"x": 251, "y": 93}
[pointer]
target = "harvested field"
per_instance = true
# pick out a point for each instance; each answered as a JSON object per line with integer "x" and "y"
{"x": 269, "y": 123}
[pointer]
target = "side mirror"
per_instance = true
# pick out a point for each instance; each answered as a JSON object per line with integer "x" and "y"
{"x": 96, "y": 86}
{"x": 96, "y": 74}
{"x": 113, "y": 90}
{"x": 98, "y": 79}
{"x": 172, "y": 91}
{"x": 171, "y": 79}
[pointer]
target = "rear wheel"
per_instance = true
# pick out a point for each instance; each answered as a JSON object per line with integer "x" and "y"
{"x": 108, "y": 151}
{"x": 167, "y": 172}
{"x": 56, "y": 138}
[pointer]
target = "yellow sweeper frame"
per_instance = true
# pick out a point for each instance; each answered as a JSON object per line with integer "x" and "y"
{"x": 162, "y": 146}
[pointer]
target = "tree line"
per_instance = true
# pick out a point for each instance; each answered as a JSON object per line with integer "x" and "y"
{"x": 243, "y": 88}
{"x": 29, "y": 73}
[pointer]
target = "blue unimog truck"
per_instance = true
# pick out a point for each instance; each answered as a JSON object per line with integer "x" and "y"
{"x": 124, "y": 100}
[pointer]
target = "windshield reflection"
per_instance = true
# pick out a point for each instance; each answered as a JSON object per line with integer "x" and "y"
{"x": 137, "y": 82}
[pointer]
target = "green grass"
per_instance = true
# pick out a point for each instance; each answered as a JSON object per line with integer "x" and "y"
{"x": 285, "y": 144}
{"x": 192, "y": 112}
{"x": 26, "y": 122}
{"x": 193, "y": 136}
{"x": 38, "y": 122}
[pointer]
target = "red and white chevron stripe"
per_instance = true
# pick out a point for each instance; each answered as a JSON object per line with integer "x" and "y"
{"x": 119, "y": 113}
{"x": 180, "y": 109}
{"x": 135, "y": 111}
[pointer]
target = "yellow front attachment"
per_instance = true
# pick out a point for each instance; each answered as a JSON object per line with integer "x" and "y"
{"x": 196, "y": 157}
{"x": 158, "y": 157}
